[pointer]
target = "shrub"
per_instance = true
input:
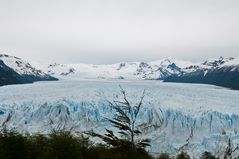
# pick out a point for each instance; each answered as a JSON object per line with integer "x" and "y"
{"x": 207, "y": 155}
{"x": 64, "y": 146}
{"x": 39, "y": 147}
{"x": 183, "y": 155}
{"x": 13, "y": 145}
{"x": 163, "y": 156}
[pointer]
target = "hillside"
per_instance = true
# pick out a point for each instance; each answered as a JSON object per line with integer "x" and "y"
{"x": 17, "y": 71}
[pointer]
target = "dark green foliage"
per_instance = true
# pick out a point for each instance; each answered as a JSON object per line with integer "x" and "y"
{"x": 39, "y": 147}
{"x": 63, "y": 145}
{"x": 123, "y": 152}
{"x": 13, "y": 146}
{"x": 127, "y": 150}
{"x": 183, "y": 155}
{"x": 164, "y": 156}
{"x": 207, "y": 155}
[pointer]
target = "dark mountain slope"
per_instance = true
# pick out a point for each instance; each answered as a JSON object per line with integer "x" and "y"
{"x": 227, "y": 76}
{"x": 8, "y": 75}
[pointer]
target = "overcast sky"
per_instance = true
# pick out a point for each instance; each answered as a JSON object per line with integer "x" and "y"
{"x": 108, "y": 31}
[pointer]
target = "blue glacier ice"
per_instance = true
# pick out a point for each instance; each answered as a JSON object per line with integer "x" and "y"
{"x": 177, "y": 117}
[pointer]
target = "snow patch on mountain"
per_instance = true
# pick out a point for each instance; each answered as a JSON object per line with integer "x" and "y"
{"x": 233, "y": 62}
{"x": 209, "y": 64}
{"x": 168, "y": 61}
{"x": 124, "y": 70}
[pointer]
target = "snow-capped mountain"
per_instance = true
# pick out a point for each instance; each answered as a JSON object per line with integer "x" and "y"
{"x": 23, "y": 71}
{"x": 21, "y": 67}
{"x": 207, "y": 65}
{"x": 222, "y": 72}
{"x": 124, "y": 70}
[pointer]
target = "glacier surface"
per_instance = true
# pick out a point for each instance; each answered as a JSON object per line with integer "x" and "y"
{"x": 188, "y": 117}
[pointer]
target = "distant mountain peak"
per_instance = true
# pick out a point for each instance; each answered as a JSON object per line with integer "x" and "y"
{"x": 217, "y": 62}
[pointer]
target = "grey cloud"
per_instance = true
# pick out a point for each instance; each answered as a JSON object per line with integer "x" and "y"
{"x": 108, "y": 31}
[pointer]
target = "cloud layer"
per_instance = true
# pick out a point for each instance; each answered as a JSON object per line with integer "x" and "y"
{"x": 108, "y": 31}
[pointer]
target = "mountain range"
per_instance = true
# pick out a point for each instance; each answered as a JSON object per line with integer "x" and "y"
{"x": 125, "y": 70}
{"x": 222, "y": 71}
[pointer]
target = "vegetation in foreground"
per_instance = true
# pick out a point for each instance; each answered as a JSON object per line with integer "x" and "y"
{"x": 64, "y": 145}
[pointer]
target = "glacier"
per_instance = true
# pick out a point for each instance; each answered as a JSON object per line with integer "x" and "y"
{"x": 177, "y": 117}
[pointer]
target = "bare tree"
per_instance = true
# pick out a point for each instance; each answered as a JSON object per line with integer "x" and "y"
{"x": 125, "y": 120}
{"x": 230, "y": 149}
